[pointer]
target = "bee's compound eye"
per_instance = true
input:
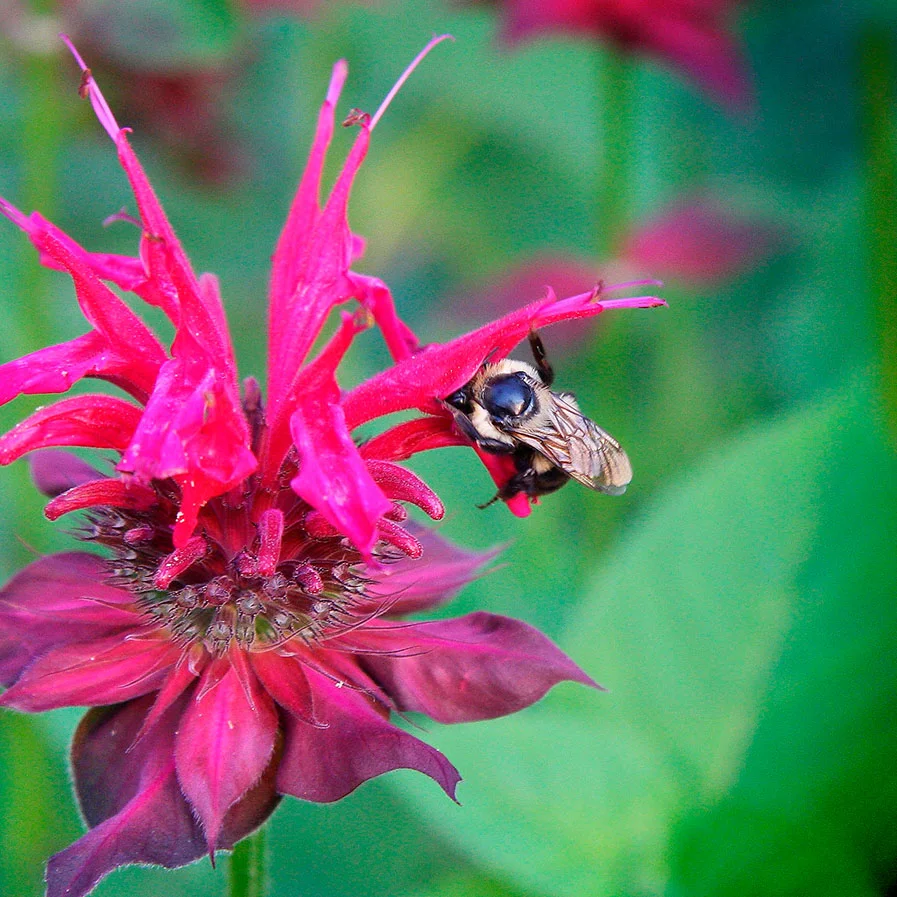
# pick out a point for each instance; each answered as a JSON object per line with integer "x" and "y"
{"x": 460, "y": 399}
{"x": 508, "y": 396}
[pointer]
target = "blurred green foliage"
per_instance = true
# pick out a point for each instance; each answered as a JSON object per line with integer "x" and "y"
{"x": 738, "y": 601}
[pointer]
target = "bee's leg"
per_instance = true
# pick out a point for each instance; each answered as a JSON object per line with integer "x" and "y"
{"x": 546, "y": 371}
{"x": 491, "y": 501}
{"x": 466, "y": 428}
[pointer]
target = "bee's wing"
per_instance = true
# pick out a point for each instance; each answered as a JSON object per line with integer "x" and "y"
{"x": 577, "y": 445}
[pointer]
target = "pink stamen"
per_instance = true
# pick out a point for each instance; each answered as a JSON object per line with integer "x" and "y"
{"x": 270, "y": 537}
{"x": 97, "y": 100}
{"x": 405, "y": 75}
{"x": 15, "y": 216}
{"x": 195, "y": 549}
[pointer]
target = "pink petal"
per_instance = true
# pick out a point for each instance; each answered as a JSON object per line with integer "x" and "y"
{"x": 55, "y": 368}
{"x": 91, "y": 421}
{"x": 55, "y": 471}
{"x": 476, "y": 667}
{"x": 224, "y": 742}
{"x": 332, "y": 477}
{"x": 56, "y": 601}
{"x": 104, "y": 670}
{"x": 194, "y": 431}
{"x": 406, "y": 439}
{"x": 375, "y": 296}
{"x": 358, "y": 744}
{"x": 283, "y": 678}
{"x": 323, "y": 286}
{"x": 291, "y": 257}
{"x": 109, "y": 492}
{"x": 440, "y": 368}
{"x": 408, "y": 586}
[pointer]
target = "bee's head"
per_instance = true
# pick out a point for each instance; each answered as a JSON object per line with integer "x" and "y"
{"x": 509, "y": 396}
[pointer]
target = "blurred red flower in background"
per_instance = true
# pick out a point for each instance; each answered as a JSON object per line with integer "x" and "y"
{"x": 691, "y": 35}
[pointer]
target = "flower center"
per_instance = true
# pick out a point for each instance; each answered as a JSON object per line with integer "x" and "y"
{"x": 222, "y": 599}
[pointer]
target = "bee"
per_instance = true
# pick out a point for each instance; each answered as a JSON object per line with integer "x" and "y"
{"x": 509, "y": 408}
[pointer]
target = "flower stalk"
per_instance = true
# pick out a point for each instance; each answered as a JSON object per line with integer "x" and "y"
{"x": 248, "y": 872}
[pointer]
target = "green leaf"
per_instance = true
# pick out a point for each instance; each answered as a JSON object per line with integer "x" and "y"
{"x": 745, "y": 627}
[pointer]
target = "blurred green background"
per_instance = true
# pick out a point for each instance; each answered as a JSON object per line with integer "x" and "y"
{"x": 739, "y": 601}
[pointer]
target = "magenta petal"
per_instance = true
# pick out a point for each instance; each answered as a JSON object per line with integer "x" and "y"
{"x": 476, "y": 667}
{"x": 284, "y": 680}
{"x": 112, "y": 493}
{"x": 408, "y": 586}
{"x": 333, "y": 477}
{"x": 325, "y": 764}
{"x": 105, "y": 670}
{"x": 224, "y": 742}
{"x": 440, "y": 368}
{"x": 55, "y": 471}
{"x": 56, "y": 601}
{"x": 290, "y": 263}
{"x": 194, "y": 430}
{"x": 406, "y": 439}
{"x": 92, "y": 421}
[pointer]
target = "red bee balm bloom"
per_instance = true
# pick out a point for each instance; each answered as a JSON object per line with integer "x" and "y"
{"x": 690, "y": 34}
{"x": 239, "y": 641}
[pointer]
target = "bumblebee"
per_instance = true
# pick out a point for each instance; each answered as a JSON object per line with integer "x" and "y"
{"x": 509, "y": 408}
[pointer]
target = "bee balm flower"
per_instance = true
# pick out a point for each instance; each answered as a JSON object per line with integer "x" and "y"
{"x": 691, "y": 35}
{"x": 238, "y": 639}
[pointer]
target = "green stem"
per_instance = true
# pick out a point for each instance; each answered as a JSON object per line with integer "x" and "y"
{"x": 615, "y": 96}
{"x": 878, "y": 74}
{"x": 248, "y": 872}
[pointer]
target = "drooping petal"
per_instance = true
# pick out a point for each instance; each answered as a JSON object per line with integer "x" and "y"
{"x": 57, "y": 601}
{"x": 224, "y": 742}
{"x": 130, "y": 796}
{"x": 358, "y": 743}
{"x": 333, "y": 477}
{"x": 476, "y": 667}
{"x": 440, "y": 368}
{"x": 52, "y": 369}
{"x": 408, "y": 586}
{"x": 92, "y": 421}
{"x": 104, "y": 670}
{"x": 55, "y": 471}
